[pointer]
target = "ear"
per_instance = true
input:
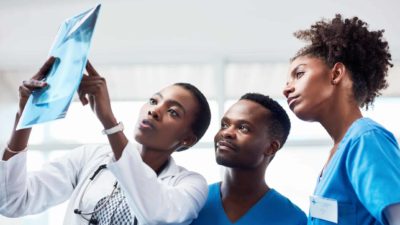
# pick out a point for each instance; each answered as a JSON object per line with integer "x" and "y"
{"x": 273, "y": 147}
{"x": 338, "y": 73}
{"x": 187, "y": 142}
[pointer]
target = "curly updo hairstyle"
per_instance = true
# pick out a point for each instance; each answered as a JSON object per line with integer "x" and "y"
{"x": 364, "y": 53}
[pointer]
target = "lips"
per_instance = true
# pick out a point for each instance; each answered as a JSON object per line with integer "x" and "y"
{"x": 226, "y": 145}
{"x": 147, "y": 124}
{"x": 291, "y": 100}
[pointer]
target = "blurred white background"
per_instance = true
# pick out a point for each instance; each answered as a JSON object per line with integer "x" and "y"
{"x": 225, "y": 47}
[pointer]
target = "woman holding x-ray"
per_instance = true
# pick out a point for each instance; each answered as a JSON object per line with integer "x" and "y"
{"x": 120, "y": 183}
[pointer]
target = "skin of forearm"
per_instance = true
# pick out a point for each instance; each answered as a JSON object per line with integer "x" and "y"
{"x": 18, "y": 140}
{"x": 118, "y": 141}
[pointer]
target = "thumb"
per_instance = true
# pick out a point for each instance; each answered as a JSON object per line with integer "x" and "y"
{"x": 45, "y": 69}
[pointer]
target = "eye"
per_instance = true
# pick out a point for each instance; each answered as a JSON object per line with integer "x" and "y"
{"x": 152, "y": 101}
{"x": 244, "y": 128}
{"x": 299, "y": 74}
{"x": 173, "y": 113}
{"x": 224, "y": 125}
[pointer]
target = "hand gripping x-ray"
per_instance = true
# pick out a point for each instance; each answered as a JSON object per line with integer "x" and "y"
{"x": 70, "y": 48}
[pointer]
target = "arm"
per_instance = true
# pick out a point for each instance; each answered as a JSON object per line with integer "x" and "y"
{"x": 24, "y": 193}
{"x": 154, "y": 201}
{"x": 93, "y": 90}
{"x": 374, "y": 170}
{"x": 19, "y": 139}
{"x": 392, "y": 214}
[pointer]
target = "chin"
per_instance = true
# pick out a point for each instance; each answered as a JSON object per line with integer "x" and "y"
{"x": 221, "y": 161}
{"x": 226, "y": 162}
{"x": 303, "y": 115}
{"x": 138, "y": 138}
{"x": 141, "y": 138}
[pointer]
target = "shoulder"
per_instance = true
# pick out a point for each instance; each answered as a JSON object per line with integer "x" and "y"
{"x": 214, "y": 192}
{"x": 213, "y": 197}
{"x": 365, "y": 127}
{"x": 211, "y": 210}
{"x": 187, "y": 181}
{"x": 367, "y": 136}
{"x": 214, "y": 187}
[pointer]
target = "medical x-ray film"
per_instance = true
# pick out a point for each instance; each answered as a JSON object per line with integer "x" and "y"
{"x": 71, "y": 47}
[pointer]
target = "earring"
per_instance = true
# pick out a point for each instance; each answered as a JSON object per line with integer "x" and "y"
{"x": 333, "y": 82}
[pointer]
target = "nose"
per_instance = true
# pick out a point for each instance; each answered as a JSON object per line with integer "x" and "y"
{"x": 228, "y": 133}
{"x": 289, "y": 88}
{"x": 153, "y": 112}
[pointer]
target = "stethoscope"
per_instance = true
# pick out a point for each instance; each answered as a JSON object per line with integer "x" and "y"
{"x": 83, "y": 214}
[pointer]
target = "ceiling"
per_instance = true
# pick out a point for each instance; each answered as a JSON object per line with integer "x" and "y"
{"x": 164, "y": 31}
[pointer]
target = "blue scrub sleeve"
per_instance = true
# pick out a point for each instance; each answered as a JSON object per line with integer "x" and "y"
{"x": 373, "y": 167}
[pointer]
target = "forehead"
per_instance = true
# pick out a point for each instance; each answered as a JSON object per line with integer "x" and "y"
{"x": 249, "y": 111}
{"x": 308, "y": 61}
{"x": 180, "y": 95}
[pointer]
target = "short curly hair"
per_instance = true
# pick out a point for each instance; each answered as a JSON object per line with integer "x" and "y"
{"x": 278, "y": 122}
{"x": 365, "y": 53}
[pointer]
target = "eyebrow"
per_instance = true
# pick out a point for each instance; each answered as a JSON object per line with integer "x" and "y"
{"x": 172, "y": 102}
{"x": 236, "y": 121}
{"x": 297, "y": 67}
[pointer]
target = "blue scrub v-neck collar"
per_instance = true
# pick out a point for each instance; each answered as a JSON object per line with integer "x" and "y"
{"x": 332, "y": 164}
{"x": 265, "y": 197}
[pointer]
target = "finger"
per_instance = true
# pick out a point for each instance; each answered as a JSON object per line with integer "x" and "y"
{"x": 90, "y": 69}
{"x": 44, "y": 70}
{"x": 90, "y": 83}
{"x": 82, "y": 98}
{"x": 32, "y": 84}
{"x": 91, "y": 100}
{"x": 89, "y": 90}
{"x": 81, "y": 93}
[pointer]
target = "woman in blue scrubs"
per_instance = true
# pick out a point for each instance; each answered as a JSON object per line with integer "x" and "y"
{"x": 343, "y": 68}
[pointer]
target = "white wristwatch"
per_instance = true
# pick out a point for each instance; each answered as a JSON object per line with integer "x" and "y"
{"x": 119, "y": 127}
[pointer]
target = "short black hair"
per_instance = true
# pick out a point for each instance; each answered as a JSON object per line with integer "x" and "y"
{"x": 278, "y": 122}
{"x": 203, "y": 116}
{"x": 365, "y": 53}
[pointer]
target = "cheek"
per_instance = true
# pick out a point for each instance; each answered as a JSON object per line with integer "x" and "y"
{"x": 217, "y": 135}
{"x": 143, "y": 112}
{"x": 175, "y": 130}
{"x": 314, "y": 91}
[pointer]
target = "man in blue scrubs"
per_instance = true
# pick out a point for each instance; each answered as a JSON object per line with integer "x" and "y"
{"x": 251, "y": 133}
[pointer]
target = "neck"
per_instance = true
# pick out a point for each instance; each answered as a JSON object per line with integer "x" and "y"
{"x": 156, "y": 159}
{"x": 339, "y": 121}
{"x": 243, "y": 184}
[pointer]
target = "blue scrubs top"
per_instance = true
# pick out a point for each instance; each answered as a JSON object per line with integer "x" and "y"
{"x": 363, "y": 175}
{"x": 272, "y": 209}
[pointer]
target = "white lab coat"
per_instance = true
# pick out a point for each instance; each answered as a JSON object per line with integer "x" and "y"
{"x": 174, "y": 197}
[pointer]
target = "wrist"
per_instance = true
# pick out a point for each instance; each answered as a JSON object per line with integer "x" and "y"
{"x": 8, "y": 149}
{"x": 115, "y": 129}
{"x": 109, "y": 122}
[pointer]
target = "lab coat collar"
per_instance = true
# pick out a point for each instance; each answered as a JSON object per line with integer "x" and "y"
{"x": 170, "y": 170}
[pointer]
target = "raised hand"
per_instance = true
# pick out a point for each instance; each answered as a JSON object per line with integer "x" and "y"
{"x": 33, "y": 83}
{"x": 93, "y": 90}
